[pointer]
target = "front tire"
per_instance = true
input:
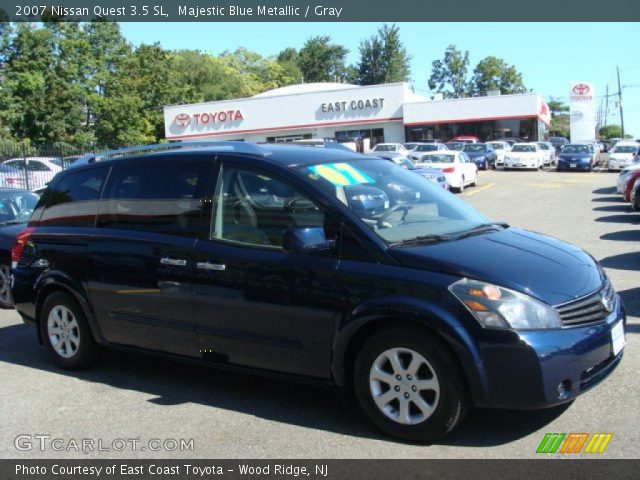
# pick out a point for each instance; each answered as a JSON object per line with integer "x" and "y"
{"x": 409, "y": 385}
{"x": 66, "y": 333}
{"x": 5, "y": 286}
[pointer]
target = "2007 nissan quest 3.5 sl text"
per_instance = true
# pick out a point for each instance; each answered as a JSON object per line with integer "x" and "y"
{"x": 321, "y": 264}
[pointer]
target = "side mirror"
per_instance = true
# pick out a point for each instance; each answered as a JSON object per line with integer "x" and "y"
{"x": 306, "y": 240}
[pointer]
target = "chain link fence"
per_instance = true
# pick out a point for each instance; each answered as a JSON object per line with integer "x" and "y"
{"x": 31, "y": 168}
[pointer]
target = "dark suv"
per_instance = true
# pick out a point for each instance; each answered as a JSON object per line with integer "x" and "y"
{"x": 309, "y": 263}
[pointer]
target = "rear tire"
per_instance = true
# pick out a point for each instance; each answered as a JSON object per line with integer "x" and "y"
{"x": 409, "y": 384}
{"x": 5, "y": 286}
{"x": 461, "y": 188}
{"x": 66, "y": 333}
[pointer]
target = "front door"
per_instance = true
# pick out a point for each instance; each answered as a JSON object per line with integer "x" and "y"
{"x": 141, "y": 256}
{"x": 254, "y": 304}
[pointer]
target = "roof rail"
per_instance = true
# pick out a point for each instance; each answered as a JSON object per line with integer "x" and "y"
{"x": 240, "y": 147}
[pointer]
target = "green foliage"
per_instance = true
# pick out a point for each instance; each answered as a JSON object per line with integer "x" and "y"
{"x": 383, "y": 58}
{"x": 322, "y": 61}
{"x": 556, "y": 107}
{"x": 493, "y": 73}
{"x": 611, "y": 131}
{"x": 449, "y": 75}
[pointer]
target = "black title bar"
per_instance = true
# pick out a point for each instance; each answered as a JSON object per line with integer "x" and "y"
{"x": 320, "y": 11}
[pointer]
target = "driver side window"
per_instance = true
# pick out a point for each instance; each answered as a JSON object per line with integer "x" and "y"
{"x": 255, "y": 208}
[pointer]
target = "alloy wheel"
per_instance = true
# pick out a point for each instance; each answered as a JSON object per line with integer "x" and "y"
{"x": 62, "y": 328}
{"x": 404, "y": 386}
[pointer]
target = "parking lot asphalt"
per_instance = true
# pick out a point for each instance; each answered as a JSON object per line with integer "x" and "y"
{"x": 129, "y": 396}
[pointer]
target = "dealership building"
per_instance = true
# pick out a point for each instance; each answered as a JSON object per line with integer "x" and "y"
{"x": 363, "y": 114}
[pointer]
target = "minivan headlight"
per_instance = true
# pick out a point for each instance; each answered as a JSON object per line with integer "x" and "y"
{"x": 499, "y": 307}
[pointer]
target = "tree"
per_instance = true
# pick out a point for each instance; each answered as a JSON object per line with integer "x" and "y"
{"x": 322, "y": 61}
{"x": 556, "y": 107}
{"x": 611, "y": 131}
{"x": 449, "y": 76}
{"x": 493, "y": 73}
{"x": 383, "y": 58}
{"x": 289, "y": 60}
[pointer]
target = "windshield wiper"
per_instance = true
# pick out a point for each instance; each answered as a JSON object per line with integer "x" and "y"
{"x": 478, "y": 229}
{"x": 12, "y": 222}
{"x": 421, "y": 239}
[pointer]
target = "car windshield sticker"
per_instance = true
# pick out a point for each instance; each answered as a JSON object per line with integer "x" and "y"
{"x": 341, "y": 174}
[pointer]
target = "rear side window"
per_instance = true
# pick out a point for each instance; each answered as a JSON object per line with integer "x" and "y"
{"x": 73, "y": 200}
{"x": 166, "y": 196}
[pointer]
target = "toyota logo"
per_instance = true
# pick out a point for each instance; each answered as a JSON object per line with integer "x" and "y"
{"x": 182, "y": 120}
{"x": 581, "y": 89}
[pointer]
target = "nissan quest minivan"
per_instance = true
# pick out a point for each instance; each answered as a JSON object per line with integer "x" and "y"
{"x": 319, "y": 264}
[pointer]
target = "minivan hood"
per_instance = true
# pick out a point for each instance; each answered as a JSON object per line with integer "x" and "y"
{"x": 544, "y": 267}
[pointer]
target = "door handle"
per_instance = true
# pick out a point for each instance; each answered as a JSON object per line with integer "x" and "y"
{"x": 219, "y": 267}
{"x": 178, "y": 262}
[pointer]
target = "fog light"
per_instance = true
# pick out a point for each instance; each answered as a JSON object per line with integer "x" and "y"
{"x": 564, "y": 389}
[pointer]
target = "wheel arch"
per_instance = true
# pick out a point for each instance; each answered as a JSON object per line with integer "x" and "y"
{"x": 54, "y": 281}
{"x": 453, "y": 337}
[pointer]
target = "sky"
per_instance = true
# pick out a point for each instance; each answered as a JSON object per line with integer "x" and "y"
{"x": 549, "y": 55}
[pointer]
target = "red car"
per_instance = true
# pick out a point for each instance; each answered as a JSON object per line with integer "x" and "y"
{"x": 635, "y": 195}
{"x": 465, "y": 139}
{"x": 626, "y": 193}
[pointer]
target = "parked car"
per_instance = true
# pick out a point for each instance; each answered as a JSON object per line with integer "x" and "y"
{"x": 465, "y": 139}
{"x": 458, "y": 146}
{"x": 622, "y": 154}
{"x": 482, "y": 154}
{"x": 548, "y": 153}
{"x": 292, "y": 260}
{"x": 11, "y": 177}
{"x": 389, "y": 147}
{"x": 501, "y": 148}
{"x": 558, "y": 142}
{"x": 425, "y": 147}
{"x": 595, "y": 150}
{"x": 624, "y": 176}
{"x": 575, "y": 156}
{"x": 525, "y": 156}
{"x": 459, "y": 170}
{"x": 633, "y": 177}
{"x": 512, "y": 140}
{"x": 634, "y": 196}
{"x": 40, "y": 170}
{"x": 433, "y": 174}
{"x": 410, "y": 145}
{"x": 16, "y": 206}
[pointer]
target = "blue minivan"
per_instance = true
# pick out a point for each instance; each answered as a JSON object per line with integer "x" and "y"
{"x": 317, "y": 264}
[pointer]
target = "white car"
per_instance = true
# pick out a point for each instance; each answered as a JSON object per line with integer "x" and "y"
{"x": 625, "y": 175}
{"x": 389, "y": 147}
{"x": 40, "y": 171}
{"x": 501, "y": 148}
{"x": 524, "y": 155}
{"x": 458, "y": 168}
{"x": 622, "y": 155}
{"x": 421, "y": 148}
{"x": 548, "y": 153}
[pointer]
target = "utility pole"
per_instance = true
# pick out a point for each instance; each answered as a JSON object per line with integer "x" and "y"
{"x": 620, "y": 101}
{"x": 606, "y": 106}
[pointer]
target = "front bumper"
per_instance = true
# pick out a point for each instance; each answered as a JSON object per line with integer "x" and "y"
{"x": 574, "y": 165}
{"x": 618, "y": 164}
{"x": 521, "y": 164}
{"x": 527, "y": 373}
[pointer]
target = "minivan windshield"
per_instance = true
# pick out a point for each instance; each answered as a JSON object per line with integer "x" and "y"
{"x": 399, "y": 206}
